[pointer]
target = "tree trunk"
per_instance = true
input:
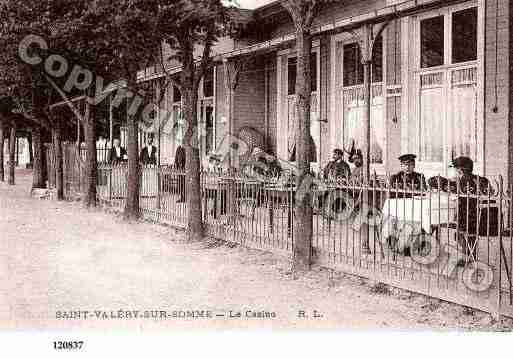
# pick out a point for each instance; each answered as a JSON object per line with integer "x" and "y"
{"x": 2, "y": 175}
{"x": 303, "y": 226}
{"x": 192, "y": 164}
{"x": 132, "y": 200}
{"x": 12, "y": 153}
{"x": 38, "y": 180}
{"x": 91, "y": 166}
{"x": 59, "y": 176}
{"x": 30, "y": 150}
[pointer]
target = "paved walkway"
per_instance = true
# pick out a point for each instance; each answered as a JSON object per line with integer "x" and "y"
{"x": 57, "y": 257}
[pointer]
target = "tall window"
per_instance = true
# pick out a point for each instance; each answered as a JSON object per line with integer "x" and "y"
{"x": 447, "y": 80}
{"x": 206, "y": 113}
{"x": 432, "y": 42}
{"x": 464, "y": 35}
{"x": 171, "y": 134}
{"x": 350, "y": 98}
{"x": 178, "y": 123}
{"x": 353, "y": 67}
{"x": 291, "y": 74}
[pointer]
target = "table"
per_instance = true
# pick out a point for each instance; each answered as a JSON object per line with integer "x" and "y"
{"x": 424, "y": 212}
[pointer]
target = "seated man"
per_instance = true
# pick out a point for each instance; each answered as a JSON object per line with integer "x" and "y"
{"x": 466, "y": 184}
{"x": 374, "y": 197}
{"x": 117, "y": 153}
{"x": 337, "y": 168}
{"x": 357, "y": 159}
{"x": 149, "y": 153}
{"x": 407, "y": 179}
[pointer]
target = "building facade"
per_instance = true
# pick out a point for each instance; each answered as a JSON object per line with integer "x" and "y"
{"x": 441, "y": 84}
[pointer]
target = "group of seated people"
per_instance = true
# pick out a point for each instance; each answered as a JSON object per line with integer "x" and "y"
{"x": 470, "y": 221}
{"x": 338, "y": 168}
{"x": 408, "y": 180}
{"x": 404, "y": 184}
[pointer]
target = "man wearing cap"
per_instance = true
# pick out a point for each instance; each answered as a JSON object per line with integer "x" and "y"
{"x": 407, "y": 179}
{"x": 467, "y": 209}
{"x": 466, "y": 179}
{"x": 338, "y": 167}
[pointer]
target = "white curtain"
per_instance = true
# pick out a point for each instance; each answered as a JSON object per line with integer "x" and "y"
{"x": 315, "y": 125}
{"x": 431, "y": 125}
{"x": 463, "y": 129}
{"x": 378, "y": 131}
{"x": 354, "y": 127}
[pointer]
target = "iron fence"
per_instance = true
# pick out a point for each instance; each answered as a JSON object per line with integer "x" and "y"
{"x": 450, "y": 240}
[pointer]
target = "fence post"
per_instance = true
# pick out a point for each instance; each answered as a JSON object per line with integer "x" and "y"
{"x": 497, "y": 314}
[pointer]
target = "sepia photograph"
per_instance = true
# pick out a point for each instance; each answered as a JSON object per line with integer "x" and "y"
{"x": 256, "y": 166}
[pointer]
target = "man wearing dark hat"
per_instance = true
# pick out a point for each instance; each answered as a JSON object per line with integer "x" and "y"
{"x": 466, "y": 179}
{"x": 408, "y": 179}
{"x": 338, "y": 167}
{"x": 467, "y": 184}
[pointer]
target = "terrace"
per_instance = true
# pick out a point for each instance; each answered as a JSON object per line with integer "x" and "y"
{"x": 260, "y": 214}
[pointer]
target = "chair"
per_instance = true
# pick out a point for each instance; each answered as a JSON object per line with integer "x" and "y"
{"x": 486, "y": 224}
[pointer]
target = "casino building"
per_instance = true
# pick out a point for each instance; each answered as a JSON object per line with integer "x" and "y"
{"x": 441, "y": 83}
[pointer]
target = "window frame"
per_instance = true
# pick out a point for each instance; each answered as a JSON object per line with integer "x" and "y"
{"x": 337, "y": 129}
{"x": 283, "y": 96}
{"x": 411, "y": 84}
{"x": 203, "y": 101}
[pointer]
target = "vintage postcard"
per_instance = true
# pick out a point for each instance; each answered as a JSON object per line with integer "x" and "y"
{"x": 249, "y": 165}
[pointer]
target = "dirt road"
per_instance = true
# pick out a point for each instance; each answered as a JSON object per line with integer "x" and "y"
{"x": 59, "y": 261}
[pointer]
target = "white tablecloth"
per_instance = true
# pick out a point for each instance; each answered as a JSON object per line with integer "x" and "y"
{"x": 430, "y": 209}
